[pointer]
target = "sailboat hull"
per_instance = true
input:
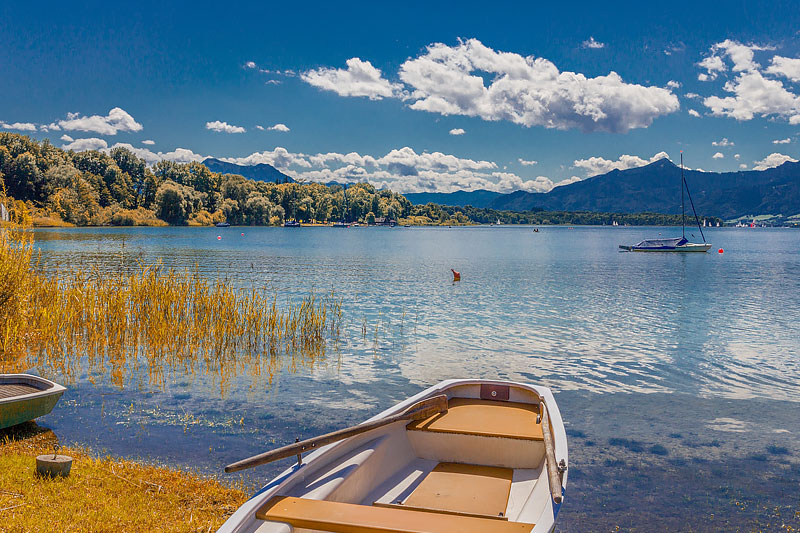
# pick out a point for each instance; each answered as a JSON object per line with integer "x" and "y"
{"x": 688, "y": 247}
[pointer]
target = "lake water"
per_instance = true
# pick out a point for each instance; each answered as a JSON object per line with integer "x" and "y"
{"x": 677, "y": 375}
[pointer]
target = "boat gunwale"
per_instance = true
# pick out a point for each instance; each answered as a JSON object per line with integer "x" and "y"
{"x": 248, "y": 509}
{"x": 52, "y": 389}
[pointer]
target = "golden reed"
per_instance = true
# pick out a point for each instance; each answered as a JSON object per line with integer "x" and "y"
{"x": 150, "y": 323}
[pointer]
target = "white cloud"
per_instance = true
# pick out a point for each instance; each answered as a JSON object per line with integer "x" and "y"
{"x": 50, "y": 127}
{"x": 773, "y": 160}
{"x": 80, "y": 145}
{"x": 694, "y": 113}
{"x": 278, "y": 158}
{"x": 224, "y": 127}
{"x": 402, "y": 170}
{"x": 787, "y": 140}
{"x": 785, "y": 66}
{"x": 692, "y": 95}
{"x": 67, "y": 138}
{"x": 567, "y": 181}
{"x": 117, "y": 120}
{"x": 179, "y": 155}
{"x": 457, "y": 131}
{"x": 598, "y": 165}
{"x": 19, "y": 126}
{"x": 742, "y": 165}
{"x": 672, "y": 84}
{"x": 718, "y": 155}
{"x": 527, "y": 163}
{"x": 360, "y": 78}
{"x": 250, "y": 64}
{"x": 750, "y": 93}
{"x": 260, "y": 128}
{"x": 737, "y": 156}
{"x": 279, "y": 127}
{"x": 591, "y": 43}
{"x": 723, "y": 142}
{"x": 148, "y": 142}
{"x": 528, "y": 91}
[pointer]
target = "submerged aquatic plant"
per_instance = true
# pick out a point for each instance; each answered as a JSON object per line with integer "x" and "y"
{"x": 150, "y": 322}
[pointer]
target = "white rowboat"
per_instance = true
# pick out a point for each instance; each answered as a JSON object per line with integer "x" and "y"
{"x": 24, "y": 397}
{"x": 491, "y": 459}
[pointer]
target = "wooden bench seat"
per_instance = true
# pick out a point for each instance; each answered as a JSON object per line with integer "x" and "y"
{"x": 337, "y": 517}
{"x": 486, "y": 418}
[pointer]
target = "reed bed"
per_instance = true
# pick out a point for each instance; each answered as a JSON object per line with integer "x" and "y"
{"x": 150, "y": 322}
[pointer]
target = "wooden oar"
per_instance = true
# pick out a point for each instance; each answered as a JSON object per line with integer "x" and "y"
{"x": 553, "y": 472}
{"x": 419, "y": 411}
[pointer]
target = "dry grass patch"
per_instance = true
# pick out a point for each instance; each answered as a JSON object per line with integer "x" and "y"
{"x": 103, "y": 494}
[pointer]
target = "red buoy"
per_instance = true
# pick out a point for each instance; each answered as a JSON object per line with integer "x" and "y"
{"x": 721, "y": 251}
{"x": 219, "y": 237}
{"x": 242, "y": 234}
{"x": 456, "y": 275}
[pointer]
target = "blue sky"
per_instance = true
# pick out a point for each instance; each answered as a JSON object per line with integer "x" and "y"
{"x": 380, "y": 92}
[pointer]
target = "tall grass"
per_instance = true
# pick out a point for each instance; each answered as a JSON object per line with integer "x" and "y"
{"x": 150, "y": 323}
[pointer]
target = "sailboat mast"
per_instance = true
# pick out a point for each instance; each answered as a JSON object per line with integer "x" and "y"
{"x": 683, "y": 209}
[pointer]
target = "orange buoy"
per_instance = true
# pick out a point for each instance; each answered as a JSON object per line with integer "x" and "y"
{"x": 721, "y": 251}
{"x": 456, "y": 275}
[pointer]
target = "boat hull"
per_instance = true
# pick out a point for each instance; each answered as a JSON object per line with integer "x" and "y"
{"x": 24, "y": 397}
{"x": 680, "y": 249}
{"x": 341, "y": 462}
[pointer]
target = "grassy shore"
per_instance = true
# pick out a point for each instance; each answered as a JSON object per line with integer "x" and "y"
{"x": 103, "y": 493}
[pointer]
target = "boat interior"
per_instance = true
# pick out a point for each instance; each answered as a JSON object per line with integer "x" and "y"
{"x": 20, "y": 385}
{"x": 478, "y": 467}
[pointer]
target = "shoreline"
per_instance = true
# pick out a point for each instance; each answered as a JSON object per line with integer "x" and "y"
{"x": 104, "y": 492}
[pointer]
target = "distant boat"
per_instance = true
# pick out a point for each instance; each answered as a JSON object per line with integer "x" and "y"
{"x": 341, "y": 225}
{"x": 462, "y": 456}
{"x": 24, "y": 397}
{"x": 291, "y": 224}
{"x": 677, "y": 244}
{"x": 223, "y": 225}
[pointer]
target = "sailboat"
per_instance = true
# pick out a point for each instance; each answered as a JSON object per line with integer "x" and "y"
{"x": 677, "y": 244}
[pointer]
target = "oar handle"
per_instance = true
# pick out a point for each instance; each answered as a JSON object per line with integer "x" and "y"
{"x": 419, "y": 411}
{"x": 553, "y": 471}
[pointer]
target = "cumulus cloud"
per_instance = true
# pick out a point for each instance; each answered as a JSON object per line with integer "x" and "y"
{"x": 80, "y": 145}
{"x": 260, "y": 128}
{"x": 19, "y": 126}
{"x": 723, "y": 142}
{"x": 785, "y": 66}
{"x": 402, "y": 170}
{"x": 694, "y": 113}
{"x": 457, "y": 131}
{"x": 224, "y": 127}
{"x": 279, "y": 127}
{"x": 360, "y": 78}
{"x": 598, "y": 165}
{"x": 250, "y": 64}
{"x": 787, "y": 140}
{"x": 718, "y": 155}
{"x": 148, "y": 142}
{"x": 672, "y": 84}
{"x": 116, "y": 121}
{"x": 591, "y": 43}
{"x": 750, "y": 93}
{"x": 526, "y": 162}
{"x": 773, "y": 160}
{"x": 529, "y": 91}
{"x": 737, "y": 156}
{"x": 66, "y": 138}
{"x": 742, "y": 165}
{"x": 179, "y": 155}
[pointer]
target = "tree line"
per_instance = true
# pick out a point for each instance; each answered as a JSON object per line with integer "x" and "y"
{"x": 118, "y": 188}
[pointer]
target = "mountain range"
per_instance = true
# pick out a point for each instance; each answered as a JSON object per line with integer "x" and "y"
{"x": 654, "y": 188}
